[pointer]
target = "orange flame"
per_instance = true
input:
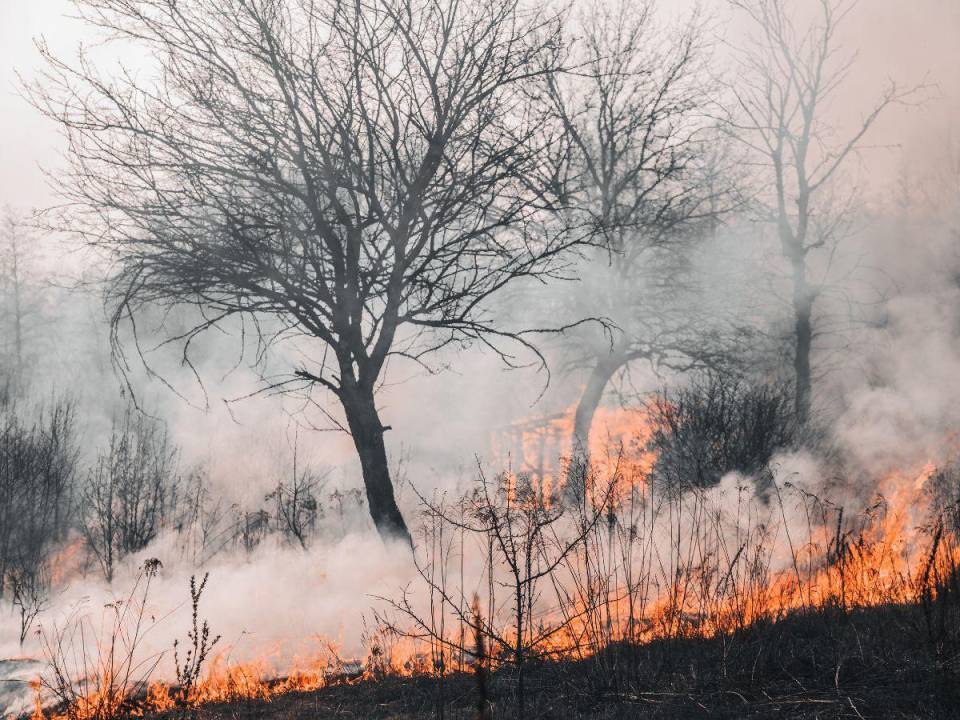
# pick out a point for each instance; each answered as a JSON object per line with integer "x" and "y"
{"x": 722, "y": 579}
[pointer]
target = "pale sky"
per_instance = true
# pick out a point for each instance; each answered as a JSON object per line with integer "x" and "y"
{"x": 910, "y": 41}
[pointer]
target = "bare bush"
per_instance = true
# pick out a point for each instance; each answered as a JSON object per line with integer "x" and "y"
{"x": 716, "y": 424}
{"x": 297, "y": 507}
{"x": 131, "y": 493}
{"x": 525, "y": 536}
{"x": 29, "y": 588}
{"x": 38, "y": 468}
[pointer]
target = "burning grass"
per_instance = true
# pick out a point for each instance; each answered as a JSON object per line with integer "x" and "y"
{"x": 718, "y": 599}
{"x": 739, "y": 599}
{"x": 871, "y": 662}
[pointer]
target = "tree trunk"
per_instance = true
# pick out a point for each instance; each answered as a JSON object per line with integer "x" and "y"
{"x": 367, "y": 431}
{"x": 17, "y": 317}
{"x": 583, "y": 422}
{"x": 801, "y": 359}
{"x": 803, "y": 298}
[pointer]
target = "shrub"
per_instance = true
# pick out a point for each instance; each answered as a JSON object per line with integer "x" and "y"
{"x": 38, "y": 468}
{"x": 131, "y": 492}
{"x": 717, "y": 424}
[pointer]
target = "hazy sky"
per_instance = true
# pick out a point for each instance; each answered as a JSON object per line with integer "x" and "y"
{"x": 910, "y": 42}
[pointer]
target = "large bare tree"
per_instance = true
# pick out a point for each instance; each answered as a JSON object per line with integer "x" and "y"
{"x": 643, "y": 175}
{"x": 792, "y": 74}
{"x": 363, "y": 173}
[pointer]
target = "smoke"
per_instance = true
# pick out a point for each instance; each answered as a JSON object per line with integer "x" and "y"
{"x": 890, "y": 401}
{"x": 270, "y": 606}
{"x": 907, "y": 409}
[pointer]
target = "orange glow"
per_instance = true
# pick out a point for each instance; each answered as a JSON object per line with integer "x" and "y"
{"x": 67, "y": 561}
{"x": 702, "y": 564}
{"x": 540, "y": 447}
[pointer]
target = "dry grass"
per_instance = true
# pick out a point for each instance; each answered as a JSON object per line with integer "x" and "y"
{"x": 96, "y": 671}
{"x": 870, "y": 663}
{"x": 674, "y": 604}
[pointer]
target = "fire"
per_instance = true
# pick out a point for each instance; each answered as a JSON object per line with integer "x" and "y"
{"x": 225, "y": 681}
{"x": 618, "y": 444}
{"x": 66, "y": 562}
{"x": 708, "y": 562}
{"x": 885, "y": 554}
{"x": 37, "y": 713}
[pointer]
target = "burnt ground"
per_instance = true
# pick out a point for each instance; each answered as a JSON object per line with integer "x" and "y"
{"x": 887, "y": 662}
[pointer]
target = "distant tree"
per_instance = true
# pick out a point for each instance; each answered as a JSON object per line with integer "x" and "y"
{"x": 367, "y": 175}
{"x": 20, "y": 299}
{"x": 789, "y": 76}
{"x": 645, "y": 177}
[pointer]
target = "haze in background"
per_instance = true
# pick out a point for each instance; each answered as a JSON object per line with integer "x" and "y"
{"x": 909, "y": 43}
{"x": 897, "y": 396}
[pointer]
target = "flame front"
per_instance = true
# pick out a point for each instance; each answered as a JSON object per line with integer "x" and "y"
{"x": 696, "y": 564}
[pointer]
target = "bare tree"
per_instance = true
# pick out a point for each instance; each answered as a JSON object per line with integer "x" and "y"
{"x": 634, "y": 108}
{"x": 365, "y": 175}
{"x": 790, "y": 75}
{"x": 17, "y": 255}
